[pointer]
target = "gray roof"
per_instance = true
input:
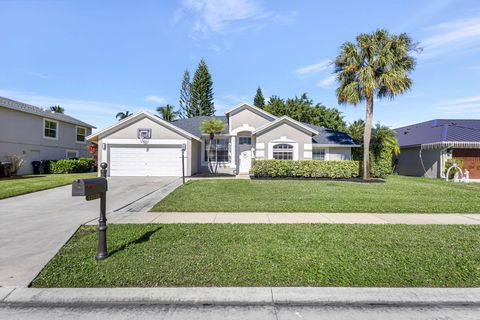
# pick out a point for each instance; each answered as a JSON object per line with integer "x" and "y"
{"x": 439, "y": 130}
{"x": 325, "y": 136}
{"x": 192, "y": 125}
{"x": 330, "y": 136}
{"x": 23, "y": 107}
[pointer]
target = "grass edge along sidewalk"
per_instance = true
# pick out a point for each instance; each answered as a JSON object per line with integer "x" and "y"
{"x": 153, "y": 255}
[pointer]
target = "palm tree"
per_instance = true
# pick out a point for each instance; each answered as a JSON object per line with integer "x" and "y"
{"x": 212, "y": 127}
{"x": 377, "y": 65}
{"x": 57, "y": 109}
{"x": 383, "y": 136}
{"x": 123, "y": 115}
{"x": 356, "y": 129}
{"x": 167, "y": 113}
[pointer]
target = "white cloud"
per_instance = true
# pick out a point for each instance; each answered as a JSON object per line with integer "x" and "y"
{"x": 328, "y": 81}
{"x": 224, "y": 16}
{"x": 465, "y": 105}
{"x": 38, "y": 75}
{"x": 215, "y": 15}
{"x": 452, "y": 36}
{"x": 313, "y": 68}
{"x": 156, "y": 99}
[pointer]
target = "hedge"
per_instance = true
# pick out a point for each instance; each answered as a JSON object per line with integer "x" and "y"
{"x": 71, "y": 165}
{"x": 305, "y": 169}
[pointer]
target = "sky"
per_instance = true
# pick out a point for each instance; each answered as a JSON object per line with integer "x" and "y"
{"x": 96, "y": 58}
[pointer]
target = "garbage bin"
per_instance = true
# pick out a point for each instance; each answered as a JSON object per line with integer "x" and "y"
{"x": 36, "y": 167}
{"x": 7, "y": 169}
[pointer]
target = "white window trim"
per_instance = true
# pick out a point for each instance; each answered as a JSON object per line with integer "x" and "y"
{"x": 57, "y": 131}
{"x": 204, "y": 163}
{"x": 76, "y": 134}
{"x": 245, "y": 127}
{"x": 67, "y": 151}
{"x": 293, "y": 144}
{"x": 327, "y": 153}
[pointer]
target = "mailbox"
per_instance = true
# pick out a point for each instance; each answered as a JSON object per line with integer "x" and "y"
{"x": 89, "y": 187}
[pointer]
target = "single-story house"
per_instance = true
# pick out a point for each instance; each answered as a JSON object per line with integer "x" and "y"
{"x": 36, "y": 134}
{"x": 426, "y": 146}
{"x": 145, "y": 145}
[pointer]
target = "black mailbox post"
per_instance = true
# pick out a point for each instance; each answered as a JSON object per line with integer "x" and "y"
{"x": 92, "y": 189}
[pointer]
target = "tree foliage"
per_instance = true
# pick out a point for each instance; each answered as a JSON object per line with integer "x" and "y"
{"x": 168, "y": 113}
{"x": 383, "y": 145}
{"x": 202, "y": 92}
{"x": 259, "y": 100}
{"x": 185, "y": 98}
{"x": 57, "y": 109}
{"x": 304, "y": 110}
{"x": 377, "y": 65}
{"x": 123, "y": 115}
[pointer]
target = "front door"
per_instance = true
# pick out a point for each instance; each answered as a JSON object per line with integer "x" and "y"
{"x": 245, "y": 161}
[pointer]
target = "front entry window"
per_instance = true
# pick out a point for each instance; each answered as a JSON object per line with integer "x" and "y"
{"x": 244, "y": 140}
{"x": 219, "y": 150}
{"x": 283, "y": 152}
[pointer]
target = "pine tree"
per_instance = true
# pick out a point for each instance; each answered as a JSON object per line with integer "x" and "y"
{"x": 201, "y": 93}
{"x": 259, "y": 100}
{"x": 185, "y": 99}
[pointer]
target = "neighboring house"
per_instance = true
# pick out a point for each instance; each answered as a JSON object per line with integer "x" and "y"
{"x": 35, "y": 134}
{"x": 426, "y": 146}
{"x": 251, "y": 134}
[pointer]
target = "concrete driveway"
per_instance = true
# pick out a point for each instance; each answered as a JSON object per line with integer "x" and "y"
{"x": 35, "y": 226}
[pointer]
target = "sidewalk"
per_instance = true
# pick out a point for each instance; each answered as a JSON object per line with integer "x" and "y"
{"x": 281, "y": 217}
{"x": 242, "y": 296}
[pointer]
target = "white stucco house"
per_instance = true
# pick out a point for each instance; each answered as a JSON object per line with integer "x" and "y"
{"x": 145, "y": 145}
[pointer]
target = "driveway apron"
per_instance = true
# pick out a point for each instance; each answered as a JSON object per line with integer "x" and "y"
{"x": 35, "y": 226}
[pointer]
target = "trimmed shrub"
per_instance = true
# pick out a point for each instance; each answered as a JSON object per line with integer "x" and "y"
{"x": 70, "y": 166}
{"x": 380, "y": 162}
{"x": 45, "y": 166}
{"x": 305, "y": 169}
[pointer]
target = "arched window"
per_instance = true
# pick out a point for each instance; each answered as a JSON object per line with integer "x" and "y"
{"x": 283, "y": 151}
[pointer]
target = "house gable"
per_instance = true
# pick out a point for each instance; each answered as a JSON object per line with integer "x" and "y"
{"x": 290, "y": 122}
{"x": 248, "y": 116}
{"x": 128, "y": 127}
{"x": 159, "y": 131}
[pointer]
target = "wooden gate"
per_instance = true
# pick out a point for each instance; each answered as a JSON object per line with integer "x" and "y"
{"x": 471, "y": 160}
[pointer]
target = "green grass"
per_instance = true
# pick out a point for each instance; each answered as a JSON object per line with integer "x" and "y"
{"x": 11, "y": 187}
{"x": 397, "y": 194}
{"x": 270, "y": 255}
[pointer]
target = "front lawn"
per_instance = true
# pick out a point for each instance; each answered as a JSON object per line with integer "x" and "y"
{"x": 397, "y": 194}
{"x": 270, "y": 255}
{"x": 14, "y": 186}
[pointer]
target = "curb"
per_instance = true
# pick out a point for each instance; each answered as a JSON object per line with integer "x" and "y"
{"x": 243, "y": 296}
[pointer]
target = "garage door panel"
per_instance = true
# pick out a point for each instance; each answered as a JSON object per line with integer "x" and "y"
{"x": 145, "y": 161}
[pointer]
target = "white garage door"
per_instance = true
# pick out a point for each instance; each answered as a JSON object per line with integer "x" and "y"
{"x": 146, "y": 161}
